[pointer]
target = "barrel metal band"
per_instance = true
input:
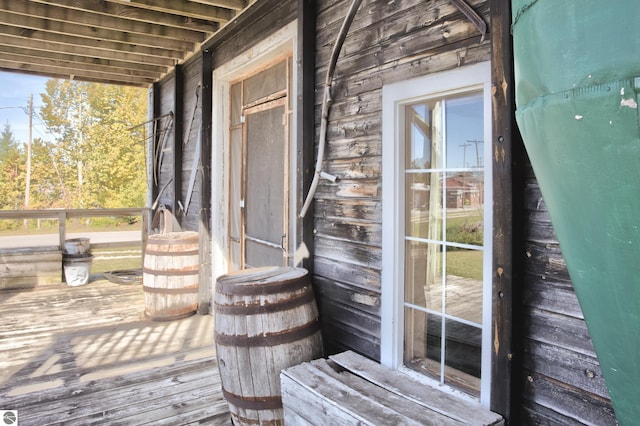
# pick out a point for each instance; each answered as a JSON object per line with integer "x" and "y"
{"x": 269, "y": 339}
{"x": 170, "y": 272}
{"x": 303, "y": 299}
{"x": 253, "y": 402}
{"x": 262, "y": 289}
{"x": 161, "y": 290}
{"x": 172, "y": 253}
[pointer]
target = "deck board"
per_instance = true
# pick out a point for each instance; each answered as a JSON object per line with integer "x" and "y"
{"x": 87, "y": 355}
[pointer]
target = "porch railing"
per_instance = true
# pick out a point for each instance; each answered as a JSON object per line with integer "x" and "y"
{"x": 63, "y": 214}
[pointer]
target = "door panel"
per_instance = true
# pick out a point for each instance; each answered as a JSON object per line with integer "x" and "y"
{"x": 265, "y": 187}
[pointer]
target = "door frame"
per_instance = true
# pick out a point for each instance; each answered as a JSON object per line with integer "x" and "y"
{"x": 272, "y": 49}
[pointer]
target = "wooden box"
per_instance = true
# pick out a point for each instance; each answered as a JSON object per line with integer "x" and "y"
{"x": 27, "y": 268}
{"x": 349, "y": 389}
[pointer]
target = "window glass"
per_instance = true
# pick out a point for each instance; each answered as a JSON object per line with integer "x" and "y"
{"x": 464, "y": 130}
{"x": 444, "y": 233}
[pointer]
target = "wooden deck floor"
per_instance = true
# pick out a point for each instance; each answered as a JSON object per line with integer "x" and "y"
{"x": 86, "y": 355}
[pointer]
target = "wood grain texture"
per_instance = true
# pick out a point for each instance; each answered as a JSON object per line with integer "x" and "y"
{"x": 350, "y": 389}
{"x": 387, "y": 42}
{"x": 86, "y": 355}
{"x": 561, "y": 378}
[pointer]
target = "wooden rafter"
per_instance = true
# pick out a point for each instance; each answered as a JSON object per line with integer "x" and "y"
{"x": 132, "y": 42}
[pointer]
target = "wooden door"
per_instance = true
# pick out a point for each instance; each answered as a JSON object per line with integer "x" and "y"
{"x": 259, "y": 192}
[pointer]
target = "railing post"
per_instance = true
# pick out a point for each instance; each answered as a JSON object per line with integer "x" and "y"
{"x": 144, "y": 232}
{"x": 62, "y": 227}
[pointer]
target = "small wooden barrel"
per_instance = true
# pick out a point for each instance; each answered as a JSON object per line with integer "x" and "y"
{"x": 266, "y": 320}
{"x": 170, "y": 275}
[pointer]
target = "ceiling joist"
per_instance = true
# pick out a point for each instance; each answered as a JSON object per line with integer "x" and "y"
{"x": 132, "y": 42}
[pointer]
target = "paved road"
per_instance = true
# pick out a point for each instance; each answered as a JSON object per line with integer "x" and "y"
{"x": 43, "y": 240}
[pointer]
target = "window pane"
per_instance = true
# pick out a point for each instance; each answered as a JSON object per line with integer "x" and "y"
{"x": 265, "y": 190}
{"x": 465, "y": 131}
{"x": 423, "y": 275}
{"x": 422, "y": 348}
{"x": 236, "y": 103}
{"x": 424, "y": 206}
{"x": 464, "y": 284}
{"x": 266, "y": 83}
{"x": 418, "y": 136}
{"x": 465, "y": 208}
{"x": 463, "y": 356}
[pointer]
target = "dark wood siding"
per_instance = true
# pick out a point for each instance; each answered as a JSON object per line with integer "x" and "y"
{"x": 562, "y": 380}
{"x": 192, "y": 81}
{"x": 387, "y": 42}
{"x": 559, "y": 377}
{"x": 259, "y": 22}
{"x": 165, "y": 169}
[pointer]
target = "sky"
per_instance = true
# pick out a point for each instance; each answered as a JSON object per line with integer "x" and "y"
{"x": 14, "y": 100}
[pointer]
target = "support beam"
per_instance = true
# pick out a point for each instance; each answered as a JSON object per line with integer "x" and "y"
{"x": 204, "y": 302}
{"x": 305, "y": 127}
{"x": 507, "y": 149}
{"x": 178, "y": 131}
{"x": 60, "y": 14}
{"x": 184, "y": 8}
{"x": 154, "y": 140}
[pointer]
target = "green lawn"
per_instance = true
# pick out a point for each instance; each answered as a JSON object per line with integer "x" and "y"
{"x": 465, "y": 263}
{"x": 115, "y": 259}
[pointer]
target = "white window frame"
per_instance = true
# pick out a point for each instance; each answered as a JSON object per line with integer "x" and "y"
{"x": 395, "y": 96}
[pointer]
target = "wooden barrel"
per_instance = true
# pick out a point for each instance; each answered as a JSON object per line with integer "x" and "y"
{"x": 170, "y": 275}
{"x": 266, "y": 320}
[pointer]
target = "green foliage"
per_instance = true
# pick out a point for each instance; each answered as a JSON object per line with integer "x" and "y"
{"x": 469, "y": 233}
{"x": 12, "y": 171}
{"x": 95, "y": 160}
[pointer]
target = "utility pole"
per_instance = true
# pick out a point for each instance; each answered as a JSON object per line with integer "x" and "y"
{"x": 27, "y": 190}
{"x": 464, "y": 153}
{"x": 476, "y": 142}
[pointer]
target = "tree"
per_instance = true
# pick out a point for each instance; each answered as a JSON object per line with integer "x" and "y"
{"x": 116, "y": 161}
{"x": 99, "y": 160}
{"x": 11, "y": 171}
{"x": 48, "y": 190}
{"x": 64, "y": 111}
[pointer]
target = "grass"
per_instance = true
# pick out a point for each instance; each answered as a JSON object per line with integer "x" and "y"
{"x": 50, "y": 226}
{"x": 115, "y": 259}
{"x": 465, "y": 263}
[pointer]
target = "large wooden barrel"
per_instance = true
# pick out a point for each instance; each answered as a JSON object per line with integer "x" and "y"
{"x": 170, "y": 275}
{"x": 266, "y": 320}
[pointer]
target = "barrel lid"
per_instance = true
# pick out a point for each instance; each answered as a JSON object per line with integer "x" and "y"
{"x": 265, "y": 280}
{"x": 173, "y": 236}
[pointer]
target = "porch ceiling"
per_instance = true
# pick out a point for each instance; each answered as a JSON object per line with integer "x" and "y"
{"x": 131, "y": 42}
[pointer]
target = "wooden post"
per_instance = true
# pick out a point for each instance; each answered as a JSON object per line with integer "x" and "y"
{"x": 205, "y": 279}
{"x": 305, "y": 128}
{"x": 178, "y": 128}
{"x": 62, "y": 227}
{"x": 154, "y": 188}
{"x": 506, "y": 145}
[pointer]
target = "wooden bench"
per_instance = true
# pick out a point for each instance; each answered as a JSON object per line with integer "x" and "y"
{"x": 350, "y": 389}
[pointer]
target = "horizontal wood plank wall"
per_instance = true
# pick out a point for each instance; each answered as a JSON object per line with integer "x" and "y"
{"x": 387, "y": 42}
{"x": 191, "y": 130}
{"x": 563, "y": 383}
{"x": 256, "y": 24}
{"x": 165, "y": 170}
